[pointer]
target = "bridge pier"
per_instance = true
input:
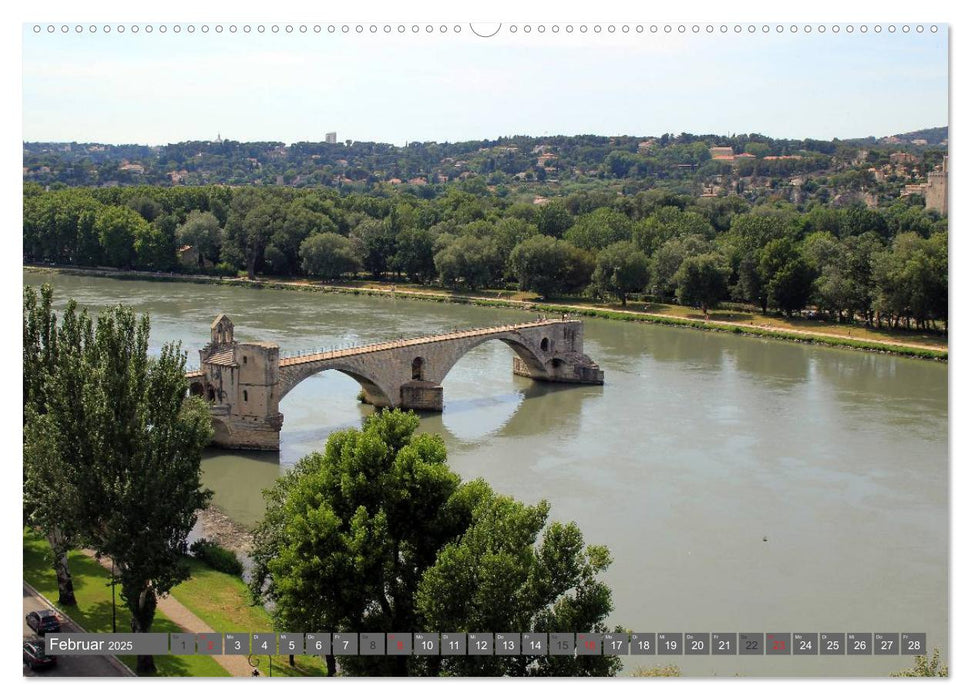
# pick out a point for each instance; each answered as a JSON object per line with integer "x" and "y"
{"x": 563, "y": 371}
{"x": 422, "y": 396}
{"x": 245, "y": 382}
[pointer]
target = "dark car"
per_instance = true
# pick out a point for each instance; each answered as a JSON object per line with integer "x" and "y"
{"x": 35, "y": 656}
{"x": 43, "y": 621}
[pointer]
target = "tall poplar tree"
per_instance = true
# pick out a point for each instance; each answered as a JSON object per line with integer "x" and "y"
{"x": 114, "y": 444}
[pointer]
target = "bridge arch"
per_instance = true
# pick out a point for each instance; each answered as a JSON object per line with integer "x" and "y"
{"x": 527, "y": 352}
{"x": 376, "y": 392}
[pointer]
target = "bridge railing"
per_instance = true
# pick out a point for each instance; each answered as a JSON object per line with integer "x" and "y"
{"x": 403, "y": 341}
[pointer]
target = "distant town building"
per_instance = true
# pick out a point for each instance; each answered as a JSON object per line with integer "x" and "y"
{"x": 935, "y": 195}
{"x": 902, "y": 158}
{"x": 330, "y": 137}
{"x": 722, "y": 153}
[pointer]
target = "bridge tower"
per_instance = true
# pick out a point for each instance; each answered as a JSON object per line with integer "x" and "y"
{"x": 241, "y": 383}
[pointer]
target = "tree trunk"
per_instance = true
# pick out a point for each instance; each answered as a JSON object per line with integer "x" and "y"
{"x": 142, "y": 605}
{"x": 331, "y": 665}
{"x": 65, "y": 585}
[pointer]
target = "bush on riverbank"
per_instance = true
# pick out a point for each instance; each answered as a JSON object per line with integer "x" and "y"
{"x": 216, "y": 557}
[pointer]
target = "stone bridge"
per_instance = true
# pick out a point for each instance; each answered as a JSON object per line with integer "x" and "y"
{"x": 245, "y": 382}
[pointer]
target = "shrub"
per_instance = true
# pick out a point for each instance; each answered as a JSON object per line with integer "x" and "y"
{"x": 216, "y": 557}
{"x": 224, "y": 270}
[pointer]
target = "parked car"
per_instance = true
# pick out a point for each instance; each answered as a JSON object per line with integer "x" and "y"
{"x": 43, "y": 621}
{"x": 35, "y": 656}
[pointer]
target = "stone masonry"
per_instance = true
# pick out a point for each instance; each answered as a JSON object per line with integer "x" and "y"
{"x": 245, "y": 382}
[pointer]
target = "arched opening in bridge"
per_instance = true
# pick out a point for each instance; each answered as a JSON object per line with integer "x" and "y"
{"x": 557, "y": 362}
{"x": 481, "y": 394}
{"x": 324, "y": 402}
{"x": 196, "y": 389}
{"x": 545, "y": 345}
{"x": 211, "y": 395}
{"x": 418, "y": 369}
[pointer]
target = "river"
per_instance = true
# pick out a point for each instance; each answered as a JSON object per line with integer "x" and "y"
{"x": 741, "y": 484}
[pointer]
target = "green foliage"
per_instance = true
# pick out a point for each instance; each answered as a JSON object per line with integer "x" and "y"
{"x": 546, "y": 265}
{"x": 216, "y": 557}
{"x": 599, "y": 229}
{"x": 415, "y": 255}
{"x": 365, "y": 536}
{"x": 329, "y": 256}
{"x": 467, "y": 261}
{"x": 702, "y": 280}
{"x": 117, "y": 229}
{"x": 463, "y": 234}
{"x": 924, "y": 668}
{"x": 201, "y": 230}
{"x": 377, "y": 241}
{"x": 620, "y": 269}
{"x": 112, "y": 431}
{"x": 501, "y": 575}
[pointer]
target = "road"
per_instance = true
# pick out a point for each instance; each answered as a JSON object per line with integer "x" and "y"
{"x": 67, "y": 665}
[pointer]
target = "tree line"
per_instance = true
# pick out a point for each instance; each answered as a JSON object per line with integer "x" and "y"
{"x": 879, "y": 266}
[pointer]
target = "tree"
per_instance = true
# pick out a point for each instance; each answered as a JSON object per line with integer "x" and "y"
{"x": 702, "y": 280}
{"x": 201, "y": 230}
{"x": 142, "y": 486}
{"x": 543, "y": 264}
{"x": 791, "y": 287}
{"x": 254, "y": 217}
{"x": 328, "y": 256}
{"x": 118, "y": 445}
{"x": 787, "y": 276}
{"x": 467, "y": 260}
{"x": 620, "y": 269}
{"x": 415, "y": 255}
{"x": 598, "y": 229}
{"x": 349, "y": 531}
{"x": 155, "y": 247}
{"x": 667, "y": 223}
{"x": 667, "y": 260}
{"x": 365, "y": 535}
{"x": 553, "y": 219}
{"x": 118, "y": 228}
{"x": 506, "y": 572}
{"x": 49, "y": 500}
{"x": 377, "y": 242}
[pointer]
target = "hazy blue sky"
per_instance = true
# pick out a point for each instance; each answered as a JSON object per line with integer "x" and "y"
{"x": 159, "y": 88}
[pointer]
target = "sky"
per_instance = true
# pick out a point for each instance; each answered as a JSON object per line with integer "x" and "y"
{"x": 163, "y": 88}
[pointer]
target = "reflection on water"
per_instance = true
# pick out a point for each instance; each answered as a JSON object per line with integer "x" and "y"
{"x": 741, "y": 484}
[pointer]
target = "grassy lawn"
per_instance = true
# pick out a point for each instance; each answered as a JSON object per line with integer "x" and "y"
{"x": 93, "y": 611}
{"x": 222, "y": 602}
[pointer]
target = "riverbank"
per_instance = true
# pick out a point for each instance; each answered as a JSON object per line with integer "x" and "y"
{"x": 896, "y": 343}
